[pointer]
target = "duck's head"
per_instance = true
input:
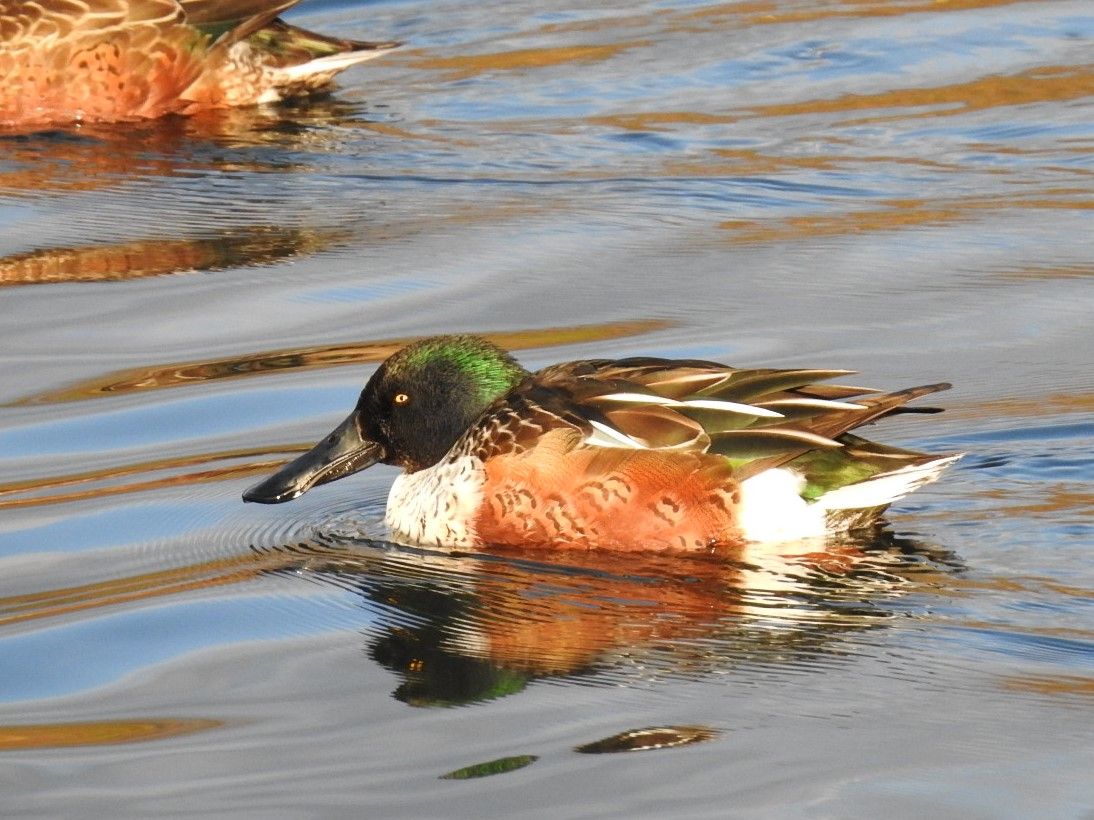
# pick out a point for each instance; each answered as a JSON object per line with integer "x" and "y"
{"x": 410, "y": 414}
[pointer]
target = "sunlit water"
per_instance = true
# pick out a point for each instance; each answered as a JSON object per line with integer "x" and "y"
{"x": 902, "y": 188}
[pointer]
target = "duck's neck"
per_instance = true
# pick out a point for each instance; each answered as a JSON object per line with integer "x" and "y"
{"x": 437, "y": 506}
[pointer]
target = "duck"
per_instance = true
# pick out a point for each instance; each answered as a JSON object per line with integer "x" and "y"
{"x": 66, "y": 61}
{"x": 633, "y": 454}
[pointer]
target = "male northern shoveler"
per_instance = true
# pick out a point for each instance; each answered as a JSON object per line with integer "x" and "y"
{"x": 637, "y": 453}
{"x": 106, "y": 60}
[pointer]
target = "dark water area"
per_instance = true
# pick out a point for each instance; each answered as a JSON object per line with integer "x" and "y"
{"x": 900, "y": 188}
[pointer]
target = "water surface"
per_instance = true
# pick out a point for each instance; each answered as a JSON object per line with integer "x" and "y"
{"x": 901, "y": 188}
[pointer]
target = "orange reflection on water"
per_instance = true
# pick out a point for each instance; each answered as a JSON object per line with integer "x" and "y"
{"x": 38, "y": 165}
{"x": 1040, "y": 85}
{"x": 309, "y": 358}
{"x": 770, "y": 13}
{"x": 53, "y": 603}
{"x": 239, "y": 247}
{"x": 1054, "y": 685}
{"x": 92, "y": 157}
{"x": 568, "y": 613}
{"x": 559, "y": 623}
{"x": 1052, "y": 404}
{"x": 470, "y": 65}
{"x": 220, "y": 473}
{"x": 898, "y": 215}
{"x": 99, "y": 733}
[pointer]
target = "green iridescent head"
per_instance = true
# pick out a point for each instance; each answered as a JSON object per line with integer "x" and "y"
{"x": 410, "y": 413}
{"x": 469, "y": 364}
{"x": 422, "y": 398}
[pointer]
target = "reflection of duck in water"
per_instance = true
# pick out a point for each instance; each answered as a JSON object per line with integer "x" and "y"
{"x": 96, "y": 60}
{"x": 467, "y": 629}
{"x": 633, "y": 454}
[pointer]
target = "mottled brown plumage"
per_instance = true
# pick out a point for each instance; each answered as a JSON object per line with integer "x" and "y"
{"x": 108, "y": 60}
{"x": 561, "y": 493}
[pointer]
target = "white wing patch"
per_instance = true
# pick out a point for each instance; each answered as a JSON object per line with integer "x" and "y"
{"x": 826, "y": 404}
{"x": 639, "y": 398}
{"x": 698, "y": 404}
{"x": 811, "y": 439}
{"x": 731, "y": 407}
{"x": 605, "y": 436}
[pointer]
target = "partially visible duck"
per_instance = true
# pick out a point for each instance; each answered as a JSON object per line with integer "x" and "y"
{"x": 107, "y": 60}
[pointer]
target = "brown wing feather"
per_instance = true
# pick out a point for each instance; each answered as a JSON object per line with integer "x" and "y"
{"x": 834, "y": 423}
{"x": 211, "y": 12}
{"x": 695, "y": 379}
{"x": 578, "y": 396}
{"x": 877, "y": 406}
{"x": 658, "y": 427}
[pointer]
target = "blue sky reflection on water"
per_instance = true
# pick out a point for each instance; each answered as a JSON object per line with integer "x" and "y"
{"x": 180, "y": 420}
{"x": 68, "y": 658}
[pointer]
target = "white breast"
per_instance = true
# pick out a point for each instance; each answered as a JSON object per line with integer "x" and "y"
{"x": 436, "y": 507}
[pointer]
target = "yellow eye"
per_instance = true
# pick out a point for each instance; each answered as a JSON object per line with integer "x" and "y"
{"x": 401, "y": 398}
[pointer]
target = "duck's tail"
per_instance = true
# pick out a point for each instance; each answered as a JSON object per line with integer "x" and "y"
{"x": 885, "y": 488}
{"x": 834, "y": 490}
{"x": 303, "y": 56}
{"x": 860, "y": 504}
{"x": 264, "y": 60}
